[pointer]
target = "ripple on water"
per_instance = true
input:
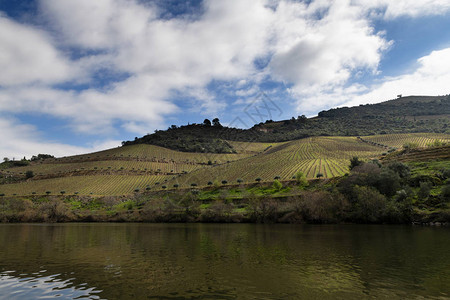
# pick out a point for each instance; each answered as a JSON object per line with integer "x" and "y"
{"x": 38, "y": 286}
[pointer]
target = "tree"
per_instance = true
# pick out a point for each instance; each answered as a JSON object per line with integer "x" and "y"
{"x": 239, "y": 180}
{"x": 354, "y": 162}
{"x": 400, "y": 168}
{"x": 207, "y": 122}
{"x": 5, "y": 159}
{"x": 48, "y": 192}
{"x": 216, "y": 122}
{"x": 224, "y": 182}
{"x": 29, "y": 174}
{"x": 258, "y": 179}
{"x": 63, "y": 192}
{"x": 319, "y": 175}
{"x": 370, "y": 205}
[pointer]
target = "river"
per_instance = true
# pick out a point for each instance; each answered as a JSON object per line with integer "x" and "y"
{"x": 223, "y": 261}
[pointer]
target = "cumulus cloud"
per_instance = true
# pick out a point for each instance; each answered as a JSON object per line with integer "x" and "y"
{"x": 27, "y": 56}
{"x": 431, "y": 77}
{"x": 324, "y": 53}
{"x": 131, "y": 63}
{"x": 392, "y": 9}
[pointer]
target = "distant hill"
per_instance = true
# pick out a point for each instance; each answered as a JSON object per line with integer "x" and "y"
{"x": 412, "y": 114}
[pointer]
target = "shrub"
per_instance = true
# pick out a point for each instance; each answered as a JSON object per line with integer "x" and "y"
{"x": 277, "y": 185}
{"x": 323, "y": 207}
{"x": 319, "y": 175}
{"x": 400, "y": 168}
{"x": 301, "y": 179}
{"x": 410, "y": 146}
{"x": 445, "y": 193}
{"x": 29, "y": 174}
{"x": 445, "y": 173}
{"x": 424, "y": 190}
{"x": 370, "y": 205}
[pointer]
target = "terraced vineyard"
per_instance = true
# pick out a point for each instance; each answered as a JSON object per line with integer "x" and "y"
{"x": 398, "y": 140}
{"x": 120, "y": 171}
{"x": 328, "y": 156}
{"x": 87, "y": 185}
{"x": 145, "y": 152}
{"x": 107, "y": 167}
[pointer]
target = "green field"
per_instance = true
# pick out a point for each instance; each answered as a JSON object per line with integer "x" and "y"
{"x": 121, "y": 170}
{"x": 399, "y": 140}
{"x": 146, "y": 152}
{"x": 87, "y": 185}
{"x": 326, "y": 155}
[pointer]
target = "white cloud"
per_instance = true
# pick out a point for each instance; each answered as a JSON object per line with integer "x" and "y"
{"x": 19, "y": 140}
{"x": 324, "y": 53}
{"x": 92, "y": 111}
{"x": 27, "y": 56}
{"x": 393, "y": 9}
{"x": 431, "y": 77}
{"x": 317, "y": 48}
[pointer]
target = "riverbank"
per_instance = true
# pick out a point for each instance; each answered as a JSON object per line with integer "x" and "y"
{"x": 311, "y": 207}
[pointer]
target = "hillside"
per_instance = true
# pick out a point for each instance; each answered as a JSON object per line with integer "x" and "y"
{"x": 123, "y": 170}
{"x": 199, "y": 155}
{"x": 413, "y": 114}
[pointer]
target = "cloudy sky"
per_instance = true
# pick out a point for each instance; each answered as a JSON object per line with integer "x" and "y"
{"x": 84, "y": 75}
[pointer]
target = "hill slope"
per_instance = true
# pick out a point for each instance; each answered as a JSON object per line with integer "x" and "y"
{"x": 411, "y": 114}
{"x": 122, "y": 170}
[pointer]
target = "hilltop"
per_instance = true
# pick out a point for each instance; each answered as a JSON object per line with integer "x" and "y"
{"x": 412, "y": 114}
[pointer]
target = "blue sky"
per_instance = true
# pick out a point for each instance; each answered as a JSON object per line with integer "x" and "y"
{"x": 81, "y": 75}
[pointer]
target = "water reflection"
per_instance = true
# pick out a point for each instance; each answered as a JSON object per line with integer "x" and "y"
{"x": 206, "y": 261}
{"x": 38, "y": 286}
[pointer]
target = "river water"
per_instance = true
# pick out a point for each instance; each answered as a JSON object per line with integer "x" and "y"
{"x": 223, "y": 261}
